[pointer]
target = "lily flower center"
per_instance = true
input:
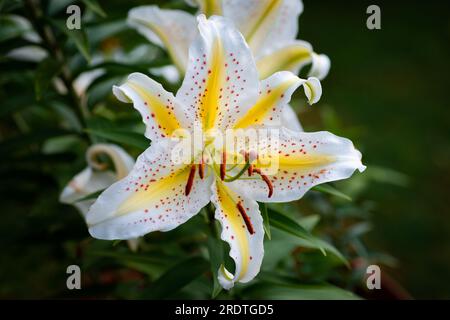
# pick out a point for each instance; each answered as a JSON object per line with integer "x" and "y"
{"x": 226, "y": 166}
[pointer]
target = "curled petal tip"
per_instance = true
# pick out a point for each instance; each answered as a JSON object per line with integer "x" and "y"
{"x": 320, "y": 65}
{"x": 120, "y": 95}
{"x": 313, "y": 90}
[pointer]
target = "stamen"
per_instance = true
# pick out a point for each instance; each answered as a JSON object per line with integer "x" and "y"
{"x": 223, "y": 166}
{"x": 247, "y": 160}
{"x": 201, "y": 169}
{"x": 250, "y": 170}
{"x": 190, "y": 181}
{"x": 266, "y": 180}
{"x": 244, "y": 215}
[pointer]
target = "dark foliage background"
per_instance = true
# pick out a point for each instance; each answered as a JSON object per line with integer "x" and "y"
{"x": 387, "y": 91}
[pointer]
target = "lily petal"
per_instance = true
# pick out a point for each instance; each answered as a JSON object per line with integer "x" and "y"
{"x": 242, "y": 228}
{"x": 303, "y": 161}
{"x": 84, "y": 183}
{"x": 151, "y": 198}
{"x": 275, "y": 94}
{"x": 221, "y": 80}
{"x": 95, "y": 177}
{"x": 170, "y": 73}
{"x": 123, "y": 162}
{"x": 173, "y": 30}
{"x": 290, "y": 56}
{"x": 289, "y": 119}
{"x": 320, "y": 66}
{"x": 293, "y": 56}
{"x": 264, "y": 23}
{"x": 160, "y": 111}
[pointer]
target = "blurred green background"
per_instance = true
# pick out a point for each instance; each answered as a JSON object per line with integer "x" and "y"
{"x": 387, "y": 91}
{"x": 391, "y": 86}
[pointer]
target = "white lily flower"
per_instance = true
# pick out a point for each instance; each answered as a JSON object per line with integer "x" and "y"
{"x": 97, "y": 177}
{"x": 221, "y": 91}
{"x": 269, "y": 26}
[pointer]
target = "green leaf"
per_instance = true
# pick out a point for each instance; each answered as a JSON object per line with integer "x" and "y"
{"x": 309, "y": 222}
{"x": 386, "y": 175}
{"x": 124, "y": 68}
{"x": 26, "y": 140}
{"x": 326, "y": 188}
{"x": 45, "y": 72}
{"x": 266, "y": 221}
{"x": 67, "y": 114}
{"x": 177, "y": 277}
{"x": 55, "y": 6}
{"x": 101, "y": 31}
{"x": 325, "y": 246}
{"x": 275, "y": 291}
{"x": 78, "y": 36}
{"x": 152, "y": 265}
{"x": 17, "y": 102}
{"x": 289, "y": 225}
{"x": 12, "y": 26}
{"x": 303, "y": 237}
{"x": 95, "y": 7}
{"x": 215, "y": 249}
{"x": 130, "y": 138}
{"x": 100, "y": 88}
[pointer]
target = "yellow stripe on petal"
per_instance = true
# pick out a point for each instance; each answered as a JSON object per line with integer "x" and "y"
{"x": 228, "y": 203}
{"x": 298, "y": 162}
{"x": 265, "y": 105}
{"x": 209, "y": 103}
{"x": 159, "y": 110}
{"x": 242, "y": 229}
{"x": 149, "y": 194}
{"x": 277, "y": 163}
{"x": 221, "y": 82}
{"x": 153, "y": 197}
{"x": 256, "y": 33}
{"x": 304, "y": 160}
{"x": 288, "y": 58}
{"x": 211, "y": 7}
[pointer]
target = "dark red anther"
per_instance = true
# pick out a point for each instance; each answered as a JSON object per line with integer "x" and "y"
{"x": 190, "y": 181}
{"x": 246, "y": 218}
{"x": 223, "y": 166}
{"x": 247, "y": 160}
{"x": 201, "y": 169}
{"x": 266, "y": 180}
